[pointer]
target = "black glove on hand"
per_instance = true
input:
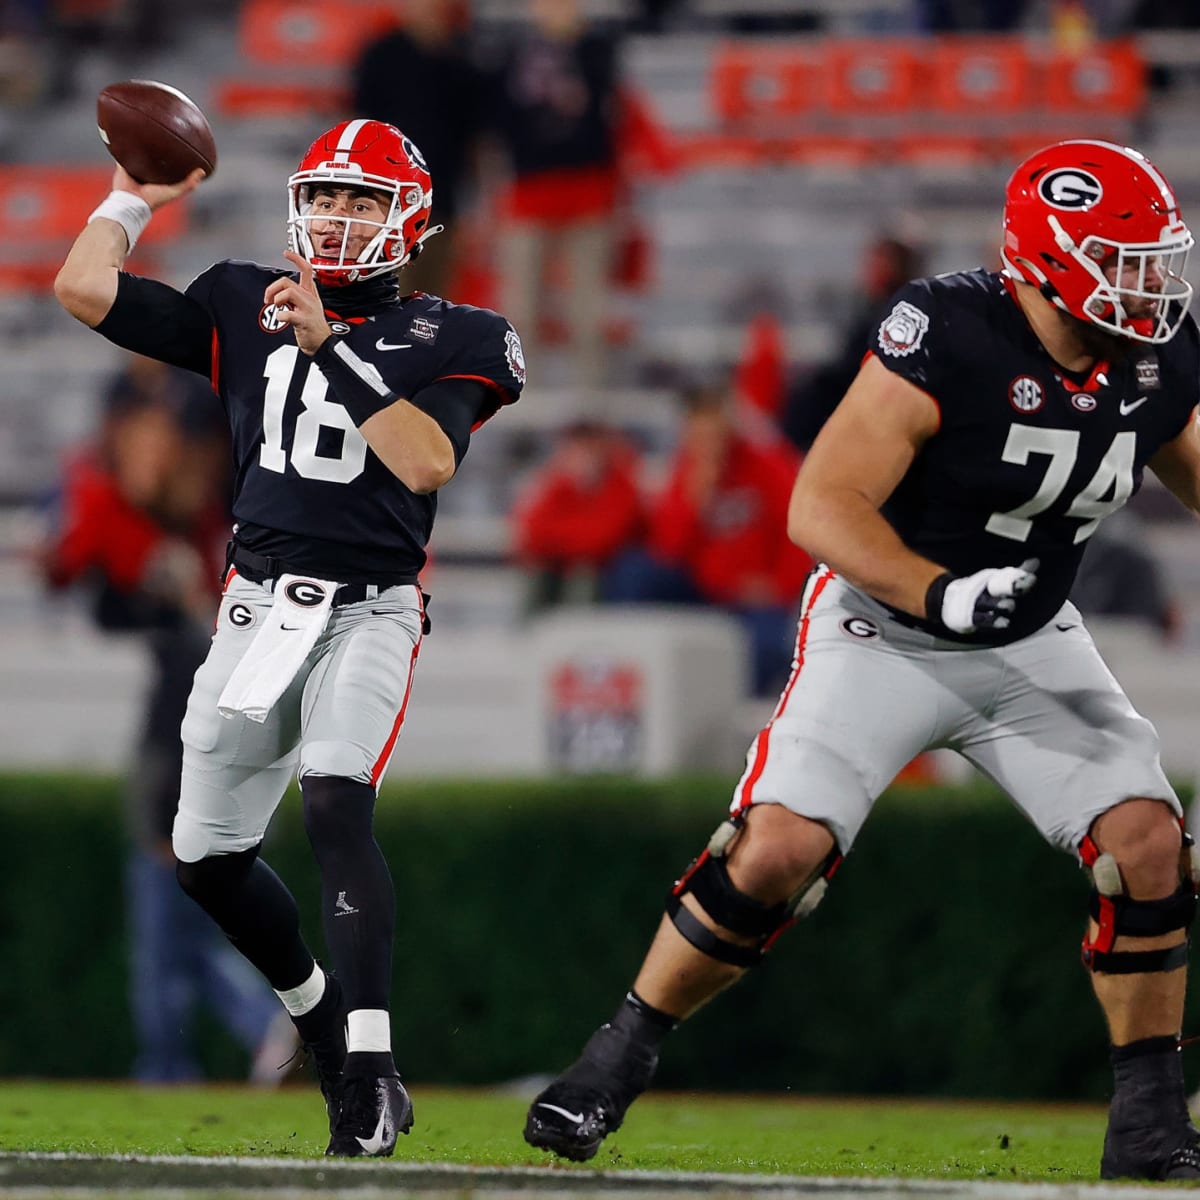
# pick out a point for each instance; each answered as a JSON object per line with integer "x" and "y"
{"x": 980, "y": 601}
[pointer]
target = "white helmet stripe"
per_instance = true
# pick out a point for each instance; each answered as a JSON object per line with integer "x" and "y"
{"x": 346, "y": 141}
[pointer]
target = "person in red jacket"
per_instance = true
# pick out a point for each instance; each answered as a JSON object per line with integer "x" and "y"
{"x": 140, "y": 523}
{"x": 718, "y": 535}
{"x": 580, "y": 510}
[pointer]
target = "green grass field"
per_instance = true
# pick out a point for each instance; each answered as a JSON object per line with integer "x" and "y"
{"x": 664, "y": 1132}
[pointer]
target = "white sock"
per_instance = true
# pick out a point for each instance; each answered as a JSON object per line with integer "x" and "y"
{"x": 306, "y": 997}
{"x": 369, "y": 1029}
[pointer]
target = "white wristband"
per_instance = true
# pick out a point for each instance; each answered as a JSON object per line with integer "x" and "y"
{"x": 131, "y": 212}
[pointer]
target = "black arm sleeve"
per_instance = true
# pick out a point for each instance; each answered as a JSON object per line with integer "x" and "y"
{"x": 456, "y": 405}
{"x": 154, "y": 319}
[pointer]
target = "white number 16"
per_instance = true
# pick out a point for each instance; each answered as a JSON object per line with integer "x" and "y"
{"x": 318, "y": 413}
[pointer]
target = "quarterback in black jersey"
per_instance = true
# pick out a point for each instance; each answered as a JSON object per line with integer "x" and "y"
{"x": 350, "y": 404}
{"x": 997, "y": 418}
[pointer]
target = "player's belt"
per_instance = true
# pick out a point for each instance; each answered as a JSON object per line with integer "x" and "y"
{"x": 259, "y": 568}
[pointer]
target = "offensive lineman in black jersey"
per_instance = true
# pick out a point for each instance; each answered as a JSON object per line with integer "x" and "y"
{"x": 997, "y": 419}
{"x": 350, "y": 405}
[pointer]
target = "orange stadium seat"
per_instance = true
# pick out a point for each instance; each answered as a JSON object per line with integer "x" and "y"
{"x": 979, "y": 76}
{"x": 750, "y": 81}
{"x": 297, "y": 55}
{"x": 43, "y": 208}
{"x": 1108, "y": 78}
{"x": 309, "y": 33}
{"x": 258, "y": 98}
{"x": 931, "y": 102}
{"x": 868, "y": 77}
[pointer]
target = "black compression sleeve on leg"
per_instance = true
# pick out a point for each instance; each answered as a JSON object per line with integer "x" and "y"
{"x": 358, "y": 904}
{"x": 256, "y": 911}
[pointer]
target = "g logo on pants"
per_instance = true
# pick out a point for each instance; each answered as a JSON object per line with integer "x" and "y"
{"x": 860, "y": 627}
{"x": 304, "y": 593}
{"x": 241, "y": 615}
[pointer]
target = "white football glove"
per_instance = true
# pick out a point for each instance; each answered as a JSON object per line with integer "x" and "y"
{"x": 980, "y": 601}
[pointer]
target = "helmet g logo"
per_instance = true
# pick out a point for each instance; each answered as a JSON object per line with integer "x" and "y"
{"x": 1070, "y": 188}
{"x": 415, "y": 156}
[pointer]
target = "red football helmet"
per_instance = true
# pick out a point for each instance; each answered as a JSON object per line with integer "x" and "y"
{"x": 376, "y": 158}
{"x": 1096, "y": 228}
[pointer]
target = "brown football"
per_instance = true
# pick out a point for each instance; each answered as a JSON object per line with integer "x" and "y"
{"x": 154, "y": 131}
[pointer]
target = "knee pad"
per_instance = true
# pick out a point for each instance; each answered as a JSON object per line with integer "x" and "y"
{"x": 707, "y": 879}
{"x": 209, "y": 880}
{"x": 1117, "y": 914}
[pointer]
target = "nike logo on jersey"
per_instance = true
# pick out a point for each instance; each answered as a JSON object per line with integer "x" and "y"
{"x": 576, "y": 1117}
{"x": 383, "y": 344}
{"x": 290, "y": 628}
{"x": 374, "y": 1143}
{"x": 1126, "y": 408}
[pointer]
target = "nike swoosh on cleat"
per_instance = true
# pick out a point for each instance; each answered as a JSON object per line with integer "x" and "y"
{"x": 383, "y": 344}
{"x": 374, "y": 1143}
{"x": 576, "y": 1117}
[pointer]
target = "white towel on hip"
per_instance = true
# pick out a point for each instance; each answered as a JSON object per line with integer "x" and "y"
{"x": 297, "y": 618}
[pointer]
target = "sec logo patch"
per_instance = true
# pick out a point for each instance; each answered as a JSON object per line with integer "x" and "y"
{"x": 269, "y": 321}
{"x": 1025, "y": 394}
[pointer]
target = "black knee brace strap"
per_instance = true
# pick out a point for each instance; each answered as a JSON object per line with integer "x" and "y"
{"x": 708, "y": 881}
{"x": 1117, "y": 914}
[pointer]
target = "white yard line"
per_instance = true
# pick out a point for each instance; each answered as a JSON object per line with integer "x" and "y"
{"x": 42, "y": 1176}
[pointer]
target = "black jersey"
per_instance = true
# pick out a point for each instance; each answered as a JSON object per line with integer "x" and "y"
{"x": 1028, "y": 458}
{"x": 308, "y": 490}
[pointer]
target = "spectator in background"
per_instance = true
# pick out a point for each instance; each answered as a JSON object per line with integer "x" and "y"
{"x": 421, "y": 78}
{"x": 141, "y": 521}
{"x": 554, "y": 111}
{"x": 580, "y": 510}
{"x": 1166, "y": 14}
{"x": 968, "y": 16}
{"x": 718, "y": 535}
{"x": 888, "y": 263}
{"x": 1119, "y": 577}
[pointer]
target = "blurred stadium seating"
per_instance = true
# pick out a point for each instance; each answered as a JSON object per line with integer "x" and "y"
{"x": 791, "y": 153}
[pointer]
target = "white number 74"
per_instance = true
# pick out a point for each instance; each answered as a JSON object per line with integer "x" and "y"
{"x": 1113, "y": 479}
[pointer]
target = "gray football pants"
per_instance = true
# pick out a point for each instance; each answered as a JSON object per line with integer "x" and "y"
{"x": 340, "y": 715}
{"x": 1043, "y": 717}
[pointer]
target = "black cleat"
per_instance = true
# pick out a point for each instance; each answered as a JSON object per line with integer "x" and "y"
{"x": 588, "y": 1101}
{"x": 323, "y": 1043}
{"x": 1149, "y": 1134}
{"x": 1155, "y": 1153}
{"x": 372, "y": 1111}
